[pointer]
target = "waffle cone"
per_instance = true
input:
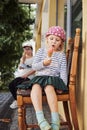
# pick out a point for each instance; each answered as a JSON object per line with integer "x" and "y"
{"x": 50, "y": 52}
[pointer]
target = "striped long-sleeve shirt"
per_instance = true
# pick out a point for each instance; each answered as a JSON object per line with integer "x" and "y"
{"x": 58, "y": 66}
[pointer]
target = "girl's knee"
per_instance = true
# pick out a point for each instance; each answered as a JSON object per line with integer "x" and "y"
{"x": 36, "y": 89}
{"x": 49, "y": 88}
{"x": 36, "y": 86}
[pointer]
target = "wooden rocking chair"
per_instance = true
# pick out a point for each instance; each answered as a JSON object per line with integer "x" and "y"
{"x": 68, "y": 98}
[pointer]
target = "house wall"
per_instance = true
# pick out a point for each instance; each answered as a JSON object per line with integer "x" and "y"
{"x": 61, "y": 12}
{"x": 84, "y": 66}
{"x": 81, "y": 90}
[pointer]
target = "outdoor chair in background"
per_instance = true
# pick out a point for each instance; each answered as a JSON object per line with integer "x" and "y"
{"x": 67, "y": 98}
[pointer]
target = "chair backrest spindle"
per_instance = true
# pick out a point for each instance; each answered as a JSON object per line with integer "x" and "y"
{"x": 75, "y": 56}
{"x": 69, "y": 54}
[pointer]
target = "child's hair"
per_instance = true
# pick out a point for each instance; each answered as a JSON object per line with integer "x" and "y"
{"x": 27, "y": 44}
{"x": 57, "y": 31}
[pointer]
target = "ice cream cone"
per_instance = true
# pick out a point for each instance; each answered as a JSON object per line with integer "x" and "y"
{"x": 50, "y": 52}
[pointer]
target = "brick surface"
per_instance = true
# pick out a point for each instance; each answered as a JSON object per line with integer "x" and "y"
{"x": 5, "y": 112}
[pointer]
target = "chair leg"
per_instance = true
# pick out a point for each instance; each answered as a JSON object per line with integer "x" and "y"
{"x": 20, "y": 118}
{"x": 21, "y": 113}
{"x": 67, "y": 115}
{"x": 73, "y": 108}
{"x": 24, "y": 118}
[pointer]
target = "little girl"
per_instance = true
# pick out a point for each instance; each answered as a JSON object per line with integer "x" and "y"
{"x": 51, "y": 73}
{"x": 24, "y": 71}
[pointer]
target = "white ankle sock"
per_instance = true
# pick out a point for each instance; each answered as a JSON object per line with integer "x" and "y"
{"x": 55, "y": 121}
{"x": 41, "y": 119}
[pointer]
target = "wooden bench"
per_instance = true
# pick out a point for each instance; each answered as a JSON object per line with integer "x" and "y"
{"x": 68, "y": 99}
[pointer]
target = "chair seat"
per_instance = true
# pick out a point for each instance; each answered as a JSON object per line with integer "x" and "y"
{"x": 26, "y": 92}
{"x": 23, "y": 92}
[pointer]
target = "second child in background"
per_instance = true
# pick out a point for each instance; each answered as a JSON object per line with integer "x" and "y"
{"x": 24, "y": 71}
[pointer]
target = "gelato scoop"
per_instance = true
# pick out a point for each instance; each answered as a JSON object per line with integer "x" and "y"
{"x": 50, "y": 52}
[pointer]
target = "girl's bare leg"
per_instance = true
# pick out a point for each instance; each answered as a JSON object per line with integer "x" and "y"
{"x": 53, "y": 104}
{"x": 51, "y": 98}
{"x": 36, "y": 97}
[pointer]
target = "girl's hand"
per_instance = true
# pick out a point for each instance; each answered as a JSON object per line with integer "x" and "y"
{"x": 24, "y": 56}
{"x": 47, "y": 62}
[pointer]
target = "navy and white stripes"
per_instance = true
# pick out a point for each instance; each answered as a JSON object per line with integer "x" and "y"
{"x": 58, "y": 66}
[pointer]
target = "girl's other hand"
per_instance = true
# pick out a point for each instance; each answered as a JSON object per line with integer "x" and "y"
{"x": 47, "y": 61}
{"x": 23, "y": 57}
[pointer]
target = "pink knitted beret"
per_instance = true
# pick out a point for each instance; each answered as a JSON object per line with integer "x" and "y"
{"x": 57, "y": 31}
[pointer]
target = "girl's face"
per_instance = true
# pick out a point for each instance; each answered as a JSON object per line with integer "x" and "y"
{"x": 27, "y": 50}
{"x": 55, "y": 42}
